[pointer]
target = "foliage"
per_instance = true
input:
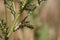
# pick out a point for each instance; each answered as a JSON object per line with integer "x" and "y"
{"x": 27, "y": 5}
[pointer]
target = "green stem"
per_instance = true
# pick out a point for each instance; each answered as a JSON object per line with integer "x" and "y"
{"x": 13, "y": 8}
{"x": 13, "y": 25}
{"x": 15, "y": 20}
{"x": 6, "y": 17}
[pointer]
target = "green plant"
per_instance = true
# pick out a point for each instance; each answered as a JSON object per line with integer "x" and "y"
{"x": 27, "y": 5}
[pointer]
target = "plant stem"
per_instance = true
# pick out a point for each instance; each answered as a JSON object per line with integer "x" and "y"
{"x": 13, "y": 25}
{"x": 14, "y": 9}
{"x": 15, "y": 20}
{"x": 6, "y": 38}
{"x": 6, "y": 18}
{"x": 13, "y": 6}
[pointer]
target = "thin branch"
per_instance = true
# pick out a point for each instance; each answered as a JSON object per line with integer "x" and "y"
{"x": 15, "y": 20}
{"x": 13, "y": 25}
